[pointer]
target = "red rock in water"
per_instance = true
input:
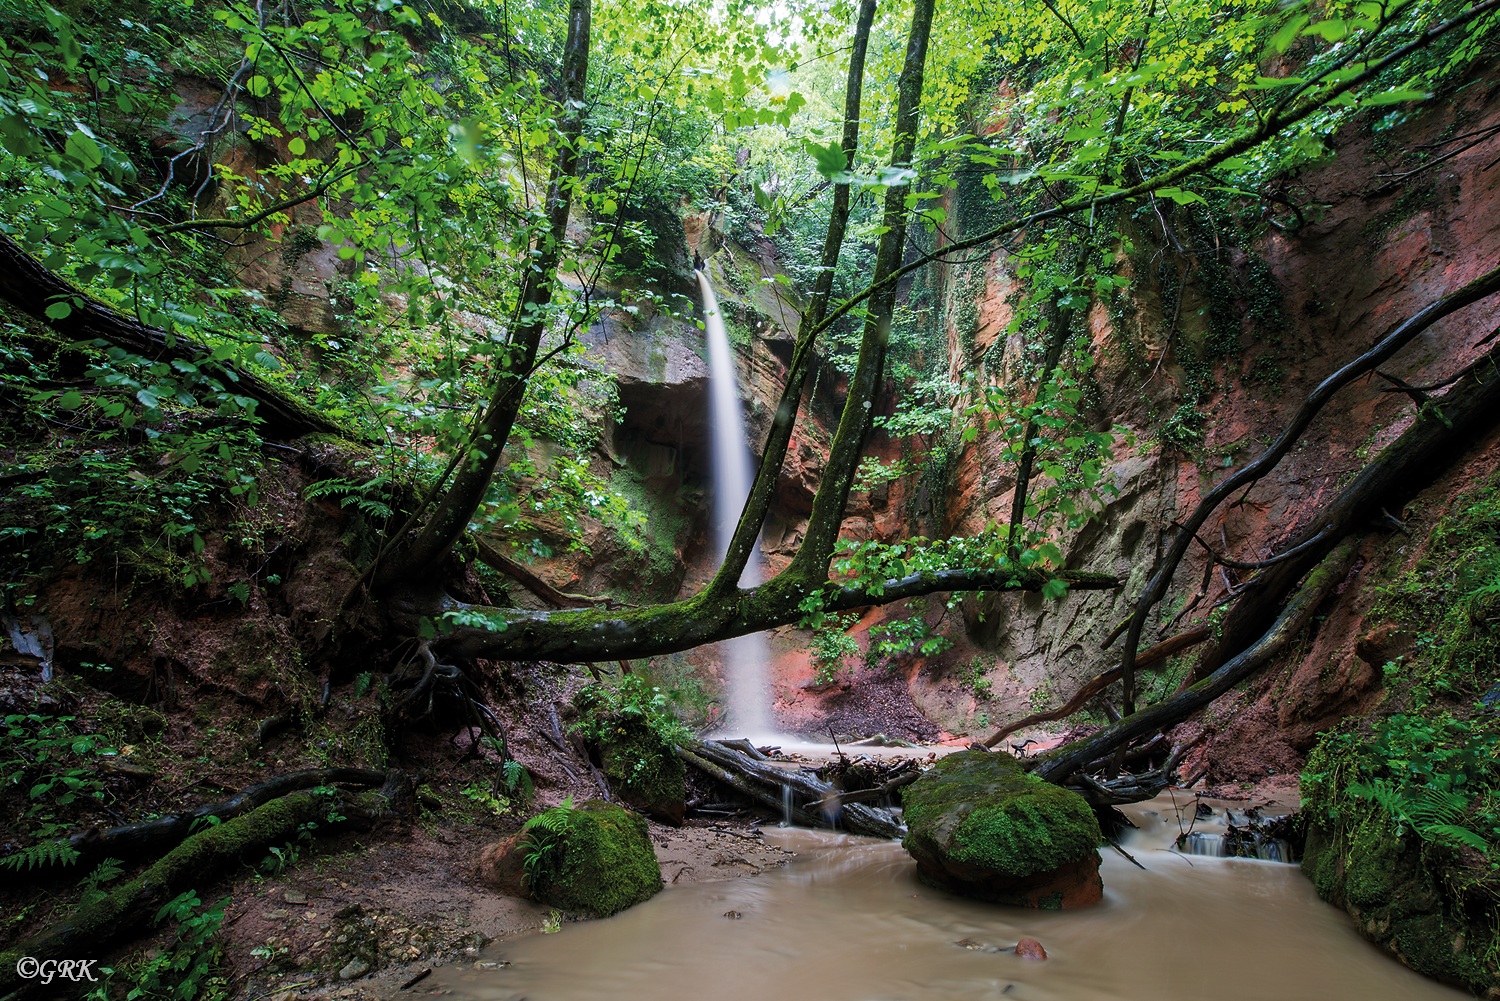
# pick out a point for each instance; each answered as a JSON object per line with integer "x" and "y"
{"x": 1030, "y": 948}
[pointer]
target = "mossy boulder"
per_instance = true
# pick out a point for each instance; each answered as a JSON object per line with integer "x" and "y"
{"x": 1412, "y": 898}
{"x": 595, "y": 859}
{"x": 644, "y": 770}
{"x": 980, "y": 826}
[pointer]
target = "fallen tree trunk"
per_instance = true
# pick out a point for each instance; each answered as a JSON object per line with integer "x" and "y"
{"x": 1480, "y": 288}
{"x": 31, "y": 288}
{"x": 768, "y": 785}
{"x": 1059, "y": 766}
{"x": 1160, "y": 652}
{"x": 132, "y": 841}
{"x": 1444, "y": 429}
{"x": 129, "y": 910}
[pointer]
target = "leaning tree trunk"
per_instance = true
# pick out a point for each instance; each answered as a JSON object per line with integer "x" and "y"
{"x": 30, "y": 287}
{"x": 832, "y": 497}
{"x": 758, "y": 504}
{"x": 419, "y": 559}
{"x": 1444, "y": 429}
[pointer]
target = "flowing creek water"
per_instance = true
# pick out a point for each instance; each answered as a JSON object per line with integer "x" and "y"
{"x": 848, "y": 921}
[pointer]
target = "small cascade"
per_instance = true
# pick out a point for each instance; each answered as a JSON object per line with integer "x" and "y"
{"x": 746, "y": 658}
{"x": 1242, "y": 836}
{"x": 786, "y": 806}
{"x": 1198, "y": 843}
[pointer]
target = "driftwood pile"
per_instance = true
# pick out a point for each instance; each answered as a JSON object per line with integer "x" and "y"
{"x": 843, "y": 795}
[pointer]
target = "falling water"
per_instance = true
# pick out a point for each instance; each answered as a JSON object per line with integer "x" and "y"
{"x": 745, "y": 658}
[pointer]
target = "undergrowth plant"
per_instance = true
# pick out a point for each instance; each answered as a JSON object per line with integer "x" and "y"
{"x": 45, "y": 756}
{"x": 543, "y": 835}
{"x": 186, "y": 969}
{"x": 603, "y": 708}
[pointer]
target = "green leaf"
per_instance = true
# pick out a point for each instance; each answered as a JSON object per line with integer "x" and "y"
{"x": 60, "y": 310}
{"x": 82, "y": 148}
{"x": 296, "y": 146}
{"x": 830, "y": 159}
{"x": 1397, "y": 96}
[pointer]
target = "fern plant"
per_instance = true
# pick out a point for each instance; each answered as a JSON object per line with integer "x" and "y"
{"x": 1434, "y": 814}
{"x": 368, "y": 497}
{"x": 543, "y": 833}
{"x": 41, "y": 856}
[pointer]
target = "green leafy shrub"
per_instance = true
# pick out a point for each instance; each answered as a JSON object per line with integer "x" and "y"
{"x": 833, "y": 647}
{"x": 636, "y": 734}
{"x": 186, "y": 969}
{"x": 53, "y": 763}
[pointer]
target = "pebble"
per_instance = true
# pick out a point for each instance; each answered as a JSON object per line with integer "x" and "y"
{"x": 357, "y": 968}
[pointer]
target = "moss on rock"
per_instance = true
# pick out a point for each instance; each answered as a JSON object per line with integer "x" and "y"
{"x": 644, "y": 770}
{"x": 595, "y": 859}
{"x": 979, "y": 825}
{"x": 1397, "y": 887}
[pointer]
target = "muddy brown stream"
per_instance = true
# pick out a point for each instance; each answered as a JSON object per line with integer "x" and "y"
{"x": 848, "y": 921}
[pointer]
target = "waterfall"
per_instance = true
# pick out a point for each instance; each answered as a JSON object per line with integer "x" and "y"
{"x": 746, "y": 659}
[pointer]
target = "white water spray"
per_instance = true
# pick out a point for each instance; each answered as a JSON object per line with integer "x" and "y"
{"x": 747, "y": 658}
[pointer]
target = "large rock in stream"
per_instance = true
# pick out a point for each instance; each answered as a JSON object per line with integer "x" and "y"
{"x": 980, "y": 826}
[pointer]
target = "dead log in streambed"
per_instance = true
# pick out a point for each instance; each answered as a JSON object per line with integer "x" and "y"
{"x": 810, "y": 801}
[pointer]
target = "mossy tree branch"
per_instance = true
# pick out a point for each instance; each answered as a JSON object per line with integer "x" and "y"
{"x": 586, "y": 635}
{"x": 128, "y": 911}
{"x": 31, "y": 287}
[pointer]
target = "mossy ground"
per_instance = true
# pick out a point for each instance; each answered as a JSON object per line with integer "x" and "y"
{"x": 598, "y": 861}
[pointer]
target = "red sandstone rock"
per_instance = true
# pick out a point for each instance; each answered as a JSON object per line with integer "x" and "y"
{"x": 1030, "y": 948}
{"x": 502, "y": 866}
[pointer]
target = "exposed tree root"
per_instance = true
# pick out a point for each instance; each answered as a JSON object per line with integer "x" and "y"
{"x": 153, "y": 837}
{"x": 129, "y": 910}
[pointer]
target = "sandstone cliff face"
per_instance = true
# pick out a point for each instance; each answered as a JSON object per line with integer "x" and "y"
{"x": 1298, "y": 302}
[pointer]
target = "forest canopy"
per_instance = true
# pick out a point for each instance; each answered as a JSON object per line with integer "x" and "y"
{"x": 489, "y": 180}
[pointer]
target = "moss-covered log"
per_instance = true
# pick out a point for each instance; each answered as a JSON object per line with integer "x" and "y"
{"x": 155, "y": 836}
{"x": 128, "y": 911}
